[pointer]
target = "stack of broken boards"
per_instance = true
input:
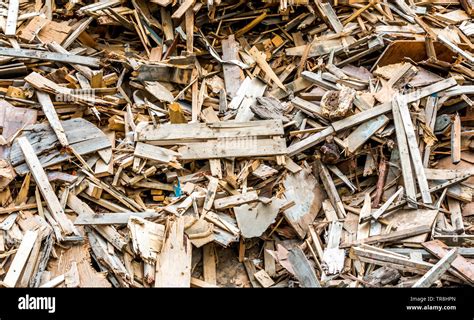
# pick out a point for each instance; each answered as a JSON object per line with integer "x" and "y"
{"x": 275, "y": 143}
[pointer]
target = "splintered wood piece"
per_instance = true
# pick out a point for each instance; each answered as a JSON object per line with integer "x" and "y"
{"x": 211, "y": 193}
{"x": 264, "y": 279}
{"x": 387, "y": 204}
{"x": 20, "y": 259}
{"x": 437, "y": 271}
{"x": 46, "y": 190}
{"x": 302, "y": 188}
{"x": 303, "y": 270}
{"x": 259, "y": 58}
{"x": 173, "y": 268}
{"x": 147, "y": 238}
{"x": 232, "y": 73}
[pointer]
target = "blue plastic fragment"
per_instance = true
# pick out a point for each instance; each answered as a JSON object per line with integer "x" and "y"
{"x": 177, "y": 189}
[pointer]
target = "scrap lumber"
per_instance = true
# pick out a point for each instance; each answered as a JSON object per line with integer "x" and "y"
{"x": 272, "y": 134}
{"x": 438, "y": 269}
{"x": 20, "y": 259}
{"x": 47, "y": 191}
{"x": 174, "y": 262}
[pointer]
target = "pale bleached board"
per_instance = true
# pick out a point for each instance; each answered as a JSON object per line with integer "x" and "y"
{"x": 45, "y": 188}
{"x": 21, "y": 256}
{"x": 173, "y": 268}
{"x": 180, "y": 133}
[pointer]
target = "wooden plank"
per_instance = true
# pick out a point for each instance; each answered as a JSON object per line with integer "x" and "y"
{"x": 209, "y": 264}
{"x": 50, "y": 56}
{"x": 303, "y": 270}
{"x": 189, "y": 22}
{"x": 12, "y": 17}
{"x": 232, "y": 73}
{"x": 360, "y": 135}
{"x": 331, "y": 190}
{"x": 173, "y": 133}
{"x": 235, "y": 200}
{"x": 233, "y": 148}
{"x": 437, "y": 271}
{"x": 390, "y": 237}
{"x": 46, "y": 190}
{"x": 264, "y": 279}
{"x": 211, "y": 193}
{"x": 456, "y": 216}
{"x": 456, "y": 139}
{"x": 361, "y": 117}
{"x": 405, "y": 161}
{"x": 147, "y": 151}
{"x": 331, "y": 17}
{"x": 106, "y": 231}
{"x": 112, "y": 218}
{"x": 251, "y": 271}
{"x": 198, "y": 283}
{"x": 185, "y": 5}
{"x": 77, "y": 32}
{"x": 173, "y": 268}
{"x": 20, "y": 259}
{"x": 363, "y": 229}
{"x": 309, "y": 142}
{"x": 50, "y": 112}
{"x": 380, "y": 211}
{"x": 460, "y": 264}
{"x": 268, "y": 259}
{"x": 401, "y": 104}
{"x": 431, "y": 89}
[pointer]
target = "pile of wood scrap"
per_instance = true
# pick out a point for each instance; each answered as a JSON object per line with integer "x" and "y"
{"x": 236, "y": 143}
